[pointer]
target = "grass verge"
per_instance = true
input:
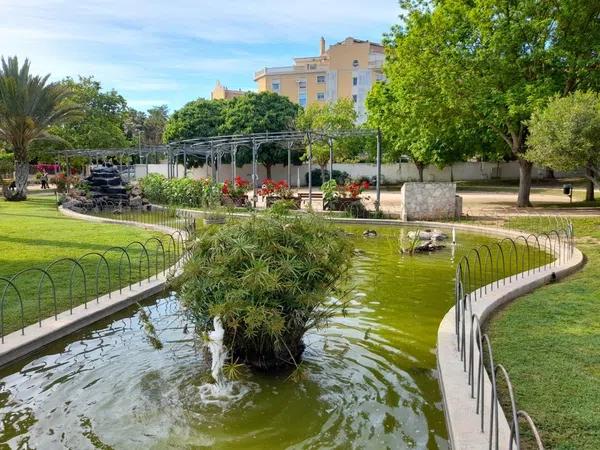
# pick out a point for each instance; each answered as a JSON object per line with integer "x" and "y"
{"x": 549, "y": 341}
{"x": 34, "y": 234}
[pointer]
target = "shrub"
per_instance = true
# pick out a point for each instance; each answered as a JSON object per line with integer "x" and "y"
{"x": 61, "y": 180}
{"x": 338, "y": 176}
{"x": 270, "y": 279}
{"x": 153, "y": 187}
{"x": 7, "y": 163}
{"x": 181, "y": 191}
{"x": 282, "y": 207}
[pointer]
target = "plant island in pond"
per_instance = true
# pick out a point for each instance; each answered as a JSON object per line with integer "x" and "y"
{"x": 269, "y": 279}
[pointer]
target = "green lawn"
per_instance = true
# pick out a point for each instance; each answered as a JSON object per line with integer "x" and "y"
{"x": 549, "y": 341}
{"x": 34, "y": 233}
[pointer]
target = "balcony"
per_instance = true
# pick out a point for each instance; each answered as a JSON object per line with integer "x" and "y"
{"x": 376, "y": 60}
{"x": 273, "y": 71}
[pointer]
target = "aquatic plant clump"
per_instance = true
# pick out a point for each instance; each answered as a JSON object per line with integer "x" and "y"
{"x": 269, "y": 279}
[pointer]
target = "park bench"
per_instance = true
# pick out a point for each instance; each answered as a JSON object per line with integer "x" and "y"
{"x": 314, "y": 195}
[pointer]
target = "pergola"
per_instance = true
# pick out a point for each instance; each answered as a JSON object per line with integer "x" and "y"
{"x": 214, "y": 148}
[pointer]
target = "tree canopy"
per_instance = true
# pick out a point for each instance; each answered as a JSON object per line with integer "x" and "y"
{"x": 456, "y": 67}
{"x": 566, "y": 134}
{"x": 259, "y": 113}
{"x": 336, "y": 116}
{"x": 250, "y": 113}
{"x": 146, "y": 128}
{"x": 102, "y": 123}
{"x": 197, "y": 118}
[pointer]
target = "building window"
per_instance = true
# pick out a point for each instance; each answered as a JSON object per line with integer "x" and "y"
{"x": 275, "y": 85}
{"x": 321, "y": 96}
{"x": 355, "y": 63}
{"x": 354, "y": 81}
{"x": 302, "y": 93}
{"x": 354, "y": 98}
{"x": 320, "y": 79}
{"x": 311, "y": 67}
{"x": 302, "y": 99}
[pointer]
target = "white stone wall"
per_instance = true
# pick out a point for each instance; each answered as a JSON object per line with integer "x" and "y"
{"x": 428, "y": 201}
{"x": 392, "y": 173}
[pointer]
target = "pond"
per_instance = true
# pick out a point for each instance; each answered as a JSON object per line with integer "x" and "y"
{"x": 368, "y": 380}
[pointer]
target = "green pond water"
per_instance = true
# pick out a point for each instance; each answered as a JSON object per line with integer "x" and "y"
{"x": 369, "y": 380}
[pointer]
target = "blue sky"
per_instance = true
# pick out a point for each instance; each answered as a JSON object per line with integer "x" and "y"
{"x": 170, "y": 52}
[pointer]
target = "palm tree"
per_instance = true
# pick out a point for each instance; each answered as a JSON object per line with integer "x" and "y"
{"x": 29, "y": 105}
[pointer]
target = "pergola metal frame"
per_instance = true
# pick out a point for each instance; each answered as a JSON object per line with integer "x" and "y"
{"x": 215, "y": 147}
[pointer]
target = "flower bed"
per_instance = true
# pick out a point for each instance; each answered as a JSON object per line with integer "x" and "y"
{"x": 234, "y": 194}
{"x": 344, "y": 197}
{"x": 274, "y": 191}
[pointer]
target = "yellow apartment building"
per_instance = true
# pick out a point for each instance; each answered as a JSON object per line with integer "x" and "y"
{"x": 347, "y": 69}
{"x": 221, "y": 92}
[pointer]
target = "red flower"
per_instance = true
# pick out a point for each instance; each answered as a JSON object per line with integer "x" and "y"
{"x": 225, "y": 188}
{"x": 240, "y": 182}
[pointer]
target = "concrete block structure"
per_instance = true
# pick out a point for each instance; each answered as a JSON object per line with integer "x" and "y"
{"x": 428, "y": 201}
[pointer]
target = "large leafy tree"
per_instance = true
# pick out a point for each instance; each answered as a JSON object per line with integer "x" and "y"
{"x": 197, "y": 118}
{"x": 566, "y": 136}
{"x": 259, "y": 113}
{"x": 155, "y": 123}
{"x": 335, "y": 116}
{"x": 494, "y": 62}
{"x": 414, "y": 125}
{"x": 29, "y": 107}
{"x": 102, "y": 124}
{"x": 146, "y": 128}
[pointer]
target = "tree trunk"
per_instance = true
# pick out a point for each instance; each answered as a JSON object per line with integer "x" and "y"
{"x": 323, "y": 173}
{"x": 524, "y": 183}
{"x": 549, "y": 174}
{"x": 420, "y": 169}
{"x": 268, "y": 167}
{"x": 21, "y": 176}
{"x": 589, "y": 191}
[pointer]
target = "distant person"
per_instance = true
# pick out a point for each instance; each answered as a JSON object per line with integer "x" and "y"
{"x": 44, "y": 181}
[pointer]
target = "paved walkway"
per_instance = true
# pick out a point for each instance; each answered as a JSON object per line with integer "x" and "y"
{"x": 482, "y": 204}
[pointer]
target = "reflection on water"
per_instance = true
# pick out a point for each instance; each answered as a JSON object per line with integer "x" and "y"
{"x": 369, "y": 379}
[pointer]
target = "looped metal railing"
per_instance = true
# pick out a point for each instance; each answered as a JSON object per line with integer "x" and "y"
{"x": 488, "y": 268}
{"x": 65, "y": 282}
{"x": 165, "y": 216}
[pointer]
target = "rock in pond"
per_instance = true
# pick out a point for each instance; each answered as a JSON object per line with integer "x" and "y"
{"x": 428, "y": 235}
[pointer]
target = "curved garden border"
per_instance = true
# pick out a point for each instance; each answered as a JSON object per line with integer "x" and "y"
{"x": 33, "y": 337}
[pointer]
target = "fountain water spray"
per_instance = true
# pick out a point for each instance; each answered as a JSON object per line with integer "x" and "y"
{"x": 453, "y": 244}
{"x": 222, "y": 392}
